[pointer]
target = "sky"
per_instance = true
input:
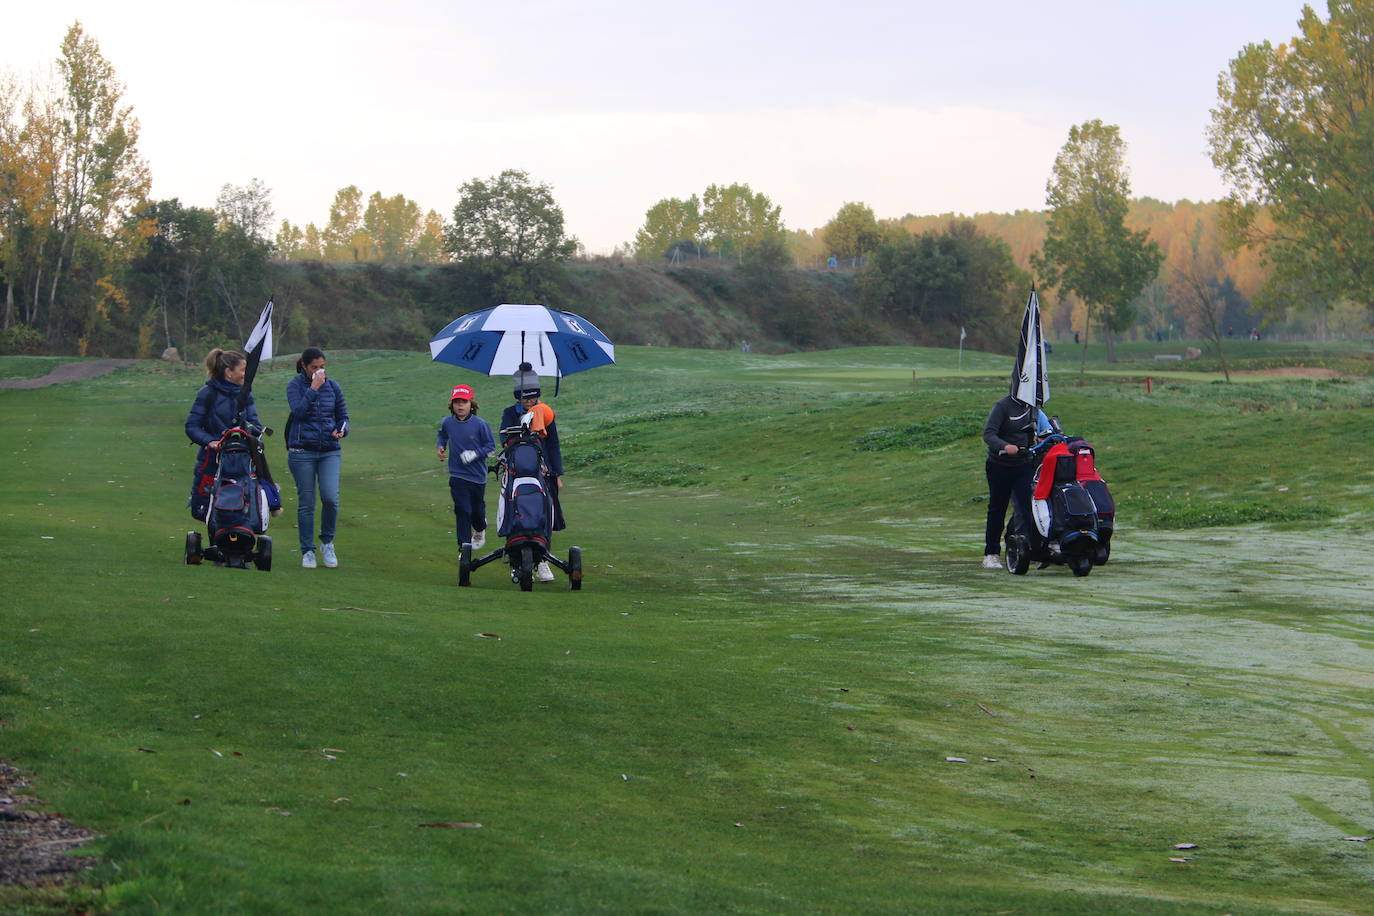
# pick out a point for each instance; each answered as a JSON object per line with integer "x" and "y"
{"x": 909, "y": 107}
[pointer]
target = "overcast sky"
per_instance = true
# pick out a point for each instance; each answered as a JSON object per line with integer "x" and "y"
{"x": 910, "y": 107}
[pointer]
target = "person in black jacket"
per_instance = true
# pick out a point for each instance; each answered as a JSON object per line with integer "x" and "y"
{"x": 1009, "y": 434}
{"x": 319, "y": 420}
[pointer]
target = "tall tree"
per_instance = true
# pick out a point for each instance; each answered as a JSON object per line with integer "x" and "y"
{"x": 248, "y": 207}
{"x": 734, "y": 218}
{"x": 344, "y": 236}
{"x": 1293, "y": 136}
{"x": 393, "y": 225}
{"x": 1088, "y": 250}
{"x": 852, "y": 232}
{"x": 510, "y": 221}
{"x": 669, "y": 222}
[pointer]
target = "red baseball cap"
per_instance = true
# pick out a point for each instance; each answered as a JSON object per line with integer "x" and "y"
{"x": 462, "y": 391}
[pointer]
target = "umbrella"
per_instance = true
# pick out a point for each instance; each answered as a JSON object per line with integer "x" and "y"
{"x": 1029, "y": 382}
{"x": 497, "y": 340}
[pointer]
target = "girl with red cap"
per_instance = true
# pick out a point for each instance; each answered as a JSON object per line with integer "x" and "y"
{"x": 467, "y": 440}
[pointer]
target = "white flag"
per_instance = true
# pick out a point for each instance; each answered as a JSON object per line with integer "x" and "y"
{"x": 262, "y": 334}
{"x": 962, "y": 334}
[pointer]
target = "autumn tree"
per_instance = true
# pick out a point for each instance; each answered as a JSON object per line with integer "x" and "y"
{"x": 852, "y": 232}
{"x": 343, "y": 237}
{"x": 1088, "y": 250}
{"x": 393, "y": 226}
{"x": 672, "y": 221}
{"x": 1293, "y": 137}
{"x": 736, "y": 219}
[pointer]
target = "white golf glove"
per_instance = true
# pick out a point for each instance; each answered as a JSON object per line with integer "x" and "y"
{"x": 527, "y": 418}
{"x": 468, "y": 456}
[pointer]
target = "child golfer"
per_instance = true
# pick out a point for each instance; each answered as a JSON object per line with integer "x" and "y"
{"x": 467, "y": 439}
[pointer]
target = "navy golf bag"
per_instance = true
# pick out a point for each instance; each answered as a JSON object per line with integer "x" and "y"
{"x": 237, "y": 504}
{"x": 527, "y": 514}
{"x": 1074, "y": 515}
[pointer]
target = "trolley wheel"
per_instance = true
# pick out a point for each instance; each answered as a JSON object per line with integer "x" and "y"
{"x": 1103, "y": 554}
{"x": 465, "y": 565}
{"x": 1081, "y": 566}
{"x": 575, "y": 568}
{"x": 1017, "y": 555}
{"x": 262, "y": 557}
{"x": 193, "y": 552}
{"x": 525, "y": 572}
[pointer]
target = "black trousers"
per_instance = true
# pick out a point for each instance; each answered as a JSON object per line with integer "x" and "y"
{"x": 1006, "y": 483}
{"x": 469, "y": 507}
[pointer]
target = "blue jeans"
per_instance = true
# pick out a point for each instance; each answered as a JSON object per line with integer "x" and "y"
{"x": 469, "y": 507}
{"x": 309, "y": 469}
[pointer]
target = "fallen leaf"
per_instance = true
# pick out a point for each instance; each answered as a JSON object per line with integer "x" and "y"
{"x": 989, "y": 759}
{"x": 332, "y": 750}
{"x": 212, "y": 750}
{"x": 456, "y": 825}
{"x": 342, "y": 799}
{"x": 1185, "y": 846}
{"x": 1359, "y": 839}
{"x": 47, "y": 537}
{"x": 487, "y": 636}
{"x": 624, "y": 777}
{"x": 278, "y": 811}
{"x": 955, "y": 760}
{"x": 184, "y": 801}
{"x": 166, "y": 600}
{"x": 739, "y": 824}
{"x": 147, "y": 750}
{"x": 1178, "y": 858}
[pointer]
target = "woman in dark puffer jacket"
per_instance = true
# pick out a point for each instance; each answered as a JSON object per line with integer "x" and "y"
{"x": 319, "y": 420}
{"x": 212, "y": 413}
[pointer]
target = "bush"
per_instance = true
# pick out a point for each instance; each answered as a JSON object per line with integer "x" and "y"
{"x": 21, "y": 340}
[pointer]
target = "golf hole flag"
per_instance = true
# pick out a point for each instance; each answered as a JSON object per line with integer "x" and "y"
{"x": 258, "y": 348}
{"x": 1029, "y": 382}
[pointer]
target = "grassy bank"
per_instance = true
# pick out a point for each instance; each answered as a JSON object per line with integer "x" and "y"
{"x": 786, "y": 685}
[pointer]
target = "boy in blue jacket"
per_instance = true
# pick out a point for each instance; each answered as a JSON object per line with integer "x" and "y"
{"x": 468, "y": 441}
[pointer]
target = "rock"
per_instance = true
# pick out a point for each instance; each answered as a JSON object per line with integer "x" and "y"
{"x": 1192, "y": 353}
{"x": 171, "y": 355}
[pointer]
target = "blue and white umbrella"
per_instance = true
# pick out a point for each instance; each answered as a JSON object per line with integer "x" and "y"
{"x": 497, "y": 340}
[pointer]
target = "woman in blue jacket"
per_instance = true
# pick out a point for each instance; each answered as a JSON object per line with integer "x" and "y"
{"x": 319, "y": 419}
{"x": 212, "y": 413}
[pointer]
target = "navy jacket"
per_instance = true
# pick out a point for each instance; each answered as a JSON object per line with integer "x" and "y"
{"x": 315, "y": 414}
{"x": 214, "y": 409}
{"x": 472, "y": 434}
{"x": 553, "y": 455}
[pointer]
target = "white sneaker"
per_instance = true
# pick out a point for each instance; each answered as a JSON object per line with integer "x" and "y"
{"x": 308, "y": 559}
{"x": 545, "y": 574}
{"x": 330, "y": 558}
{"x": 479, "y": 538}
{"x": 991, "y": 561}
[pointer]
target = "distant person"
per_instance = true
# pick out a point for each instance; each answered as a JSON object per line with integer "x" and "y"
{"x": 526, "y": 383}
{"x": 744, "y": 347}
{"x": 318, "y": 421}
{"x": 1075, "y": 339}
{"x": 1009, "y": 433}
{"x": 467, "y": 440}
{"x": 213, "y": 412}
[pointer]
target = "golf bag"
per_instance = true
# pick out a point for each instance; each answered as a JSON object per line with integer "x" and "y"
{"x": 237, "y": 502}
{"x": 527, "y": 514}
{"x": 1073, "y": 512}
{"x": 526, "y": 510}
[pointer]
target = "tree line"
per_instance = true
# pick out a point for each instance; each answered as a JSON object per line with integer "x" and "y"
{"x": 89, "y": 262}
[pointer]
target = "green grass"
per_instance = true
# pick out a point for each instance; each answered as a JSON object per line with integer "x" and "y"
{"x": 750, "y": 707}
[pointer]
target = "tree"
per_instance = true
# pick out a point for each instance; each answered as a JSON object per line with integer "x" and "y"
{"x": 1088, "y": 250}
{"x": 1293, "y": 136}
{"x": 734, "y": 218}
{"x": 344, "y": 237}
{"x": 667, "y": 223}
{"x": 247, "y": 207}
{"x": 852, "y": 232}
{"x": 393, "y": 225}
{"x": 508, "y": 221}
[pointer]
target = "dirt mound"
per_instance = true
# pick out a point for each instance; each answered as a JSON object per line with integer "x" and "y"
{"x": 70, "y": 372}
{"x": 33, "y": 844}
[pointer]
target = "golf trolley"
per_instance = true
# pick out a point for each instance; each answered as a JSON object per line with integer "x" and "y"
{"x": 233, "y": 502}
{"x": 1074, "y": 514}
{"x": 525, "y": 516}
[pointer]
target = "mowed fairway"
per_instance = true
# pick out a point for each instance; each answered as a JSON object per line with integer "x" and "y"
{"x": 786, "y": 686}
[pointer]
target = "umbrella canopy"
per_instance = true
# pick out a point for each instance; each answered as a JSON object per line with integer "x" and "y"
{"x": 497, "y": 340}
{"x": 1029, "y": 382}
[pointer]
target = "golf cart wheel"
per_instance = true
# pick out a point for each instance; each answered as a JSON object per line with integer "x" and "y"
{"x": 465, "y": 565}
{"x": 575, "y": 568}
{"x": 193, "y": 551}
{"x": 262, "y": 558}
{"x": 1018, "y": 555}
{"x": 1103, "y": 554}
{"x": 1081, "y": 566}
{"x": 525, "y": 572}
